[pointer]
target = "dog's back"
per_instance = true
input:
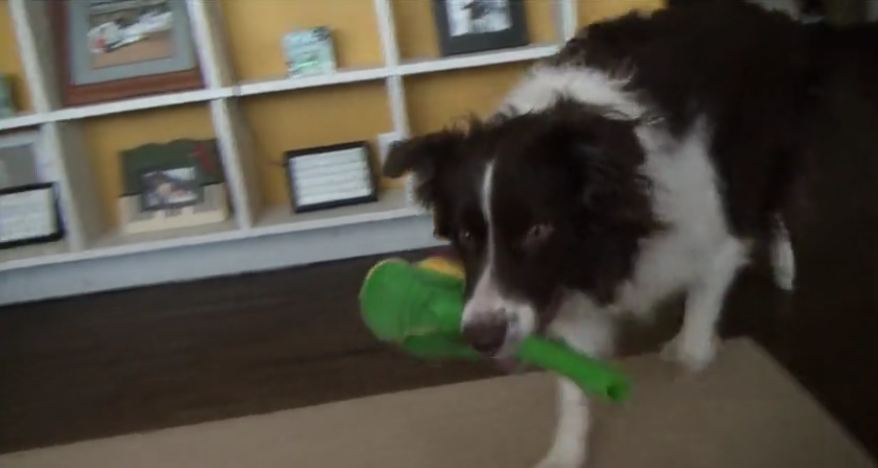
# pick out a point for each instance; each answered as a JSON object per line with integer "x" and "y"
{"x": 772, "y": 89}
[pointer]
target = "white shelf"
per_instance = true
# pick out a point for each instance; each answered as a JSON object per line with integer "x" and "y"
{"x": 275, "y": 220}
{"x": 115, "y": 242}
{"x": 140, "y": 103}
{"x": 288, "y": 83}
{"x": 479, "y": 59}
{"x": 19, "y": 121}
{"x": 28, "y": 253}
{"x": 280, "y": 219}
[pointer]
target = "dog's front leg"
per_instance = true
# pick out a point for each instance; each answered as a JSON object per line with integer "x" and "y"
{"x": 695, "y": 345}
{"x": 569, "y": 446}
{"x": 584, "y": 326}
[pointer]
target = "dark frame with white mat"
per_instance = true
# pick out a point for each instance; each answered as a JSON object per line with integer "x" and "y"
{"x": 514, "y": 36}
{"x": 300, "y": 207}
{"x": 58, "y": 230}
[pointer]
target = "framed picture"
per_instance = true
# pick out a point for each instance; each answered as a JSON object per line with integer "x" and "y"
{"x": 28, "y": 214}
{"x": 330, "y": 176}
{"x": 466, "y": 26}
{"x": 23, "y": 160}
{"x": 309, "y": 52}
{"x": 114, "y": 49}
{"x": 172, "y": 185}
{"x": 167, "y": 188}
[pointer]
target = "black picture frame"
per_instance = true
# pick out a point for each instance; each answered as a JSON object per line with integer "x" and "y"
{"x": 56, "y": 234}
{"x": 196, "y": 188}
{"x": 300, "y": 207}
{"x": 450, "y": 44}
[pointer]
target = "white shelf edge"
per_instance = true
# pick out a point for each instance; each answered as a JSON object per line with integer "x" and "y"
{"x": 135, "y": 104}
{"x": 19, "y": 121}
{"x": 520, "y": 54}
{"x": 480, "y": 59}
{"x": 232, "y": 234}
{"x": 314, "y": 224}
{"x": 288, "y": 84}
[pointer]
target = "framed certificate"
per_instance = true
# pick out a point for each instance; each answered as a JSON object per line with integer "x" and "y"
{"x": 330, "y": 176}
{"x": 28, "y": 214}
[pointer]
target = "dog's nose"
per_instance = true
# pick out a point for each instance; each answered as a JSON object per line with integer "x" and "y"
{"x": 486, "y": 335}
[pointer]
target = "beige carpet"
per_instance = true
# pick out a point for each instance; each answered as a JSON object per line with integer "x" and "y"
{"x": 743, "y": 412}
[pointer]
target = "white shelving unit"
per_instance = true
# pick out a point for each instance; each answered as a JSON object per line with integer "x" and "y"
{"x": 91, "y": 258}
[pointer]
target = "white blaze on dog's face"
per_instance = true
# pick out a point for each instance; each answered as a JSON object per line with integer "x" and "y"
{"x": 493, "y": 322}
{"x": 534, "y": 206}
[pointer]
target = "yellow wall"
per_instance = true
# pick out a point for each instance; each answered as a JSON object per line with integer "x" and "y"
{"x": 416, "y": 29}
{"x": 590, "y": 11}
{"x": 315, "y": 117}
{"x": 255, "y": 29}
{"x": 9, "y": 61}
{"x": 107, "y": 136}
{"x": 435, "y": 100}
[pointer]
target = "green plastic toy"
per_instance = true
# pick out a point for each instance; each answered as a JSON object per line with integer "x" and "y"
{"x": 420, "y": 309}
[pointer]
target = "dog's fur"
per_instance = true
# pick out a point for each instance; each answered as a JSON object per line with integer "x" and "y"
{"x": 645, "y": 159}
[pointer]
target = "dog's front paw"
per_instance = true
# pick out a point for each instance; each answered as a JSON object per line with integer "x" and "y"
{"x": 556, "y": 463}
{"x": 692, "y": 355}
{"x": 563, "y": 459}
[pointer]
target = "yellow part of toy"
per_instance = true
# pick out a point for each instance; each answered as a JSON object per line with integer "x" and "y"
{"x": 443, "y": 265}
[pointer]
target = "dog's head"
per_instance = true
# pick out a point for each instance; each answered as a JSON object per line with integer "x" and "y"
{"x": 535, "y": 204}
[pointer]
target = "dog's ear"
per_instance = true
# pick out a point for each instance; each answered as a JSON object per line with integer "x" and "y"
{"x": 612, "y": 187}
{"x": 426, "y": 157}
{"x": 613, "y": 208}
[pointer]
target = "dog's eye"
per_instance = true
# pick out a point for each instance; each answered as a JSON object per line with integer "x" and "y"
{"x": 537, "y": 234}
{"x": 466, "y": 238}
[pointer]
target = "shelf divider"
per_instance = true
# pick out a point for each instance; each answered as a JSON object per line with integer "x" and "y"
{"x": 393, "y": 83}
{"x": 210, "y": 42}
{"x": 31, "y": 23}
{"x": 81, "y": 208}
{"x": 235, "y": 146}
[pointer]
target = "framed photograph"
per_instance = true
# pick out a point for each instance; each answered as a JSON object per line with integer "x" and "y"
{"x": 172, "y": 185}
{"x": 309, "y": 52}
{"x": 330, "y": 176}
{"x": 29, "y": 214}
{"x": 23, "y": 160}
{"x": 114, "y": 49}
{"x": 167, "y": 188}
{"x": 466, "y": 26}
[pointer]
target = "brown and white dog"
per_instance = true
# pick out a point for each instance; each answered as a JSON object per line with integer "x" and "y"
{"x": 646, "y": 159}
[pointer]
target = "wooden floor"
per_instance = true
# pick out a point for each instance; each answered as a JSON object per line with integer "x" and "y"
{"x": 176, "y": 354}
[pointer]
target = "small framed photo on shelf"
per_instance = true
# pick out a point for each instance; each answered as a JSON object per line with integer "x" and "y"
{"x": 115, "y": 49}
{"x": 28, "y": 215}
{"x": 330, "y": 176}
{"x": 7, "y": 106}
{"x": 466, "y": 26}
{"x": 172, "y": 185}
{"x": 168, "y": 188}
{"x": 309, "y": 52}
{"x": 23, "y": 160}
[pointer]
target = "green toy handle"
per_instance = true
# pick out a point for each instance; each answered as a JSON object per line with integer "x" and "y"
{"x": 590, "y": 375}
